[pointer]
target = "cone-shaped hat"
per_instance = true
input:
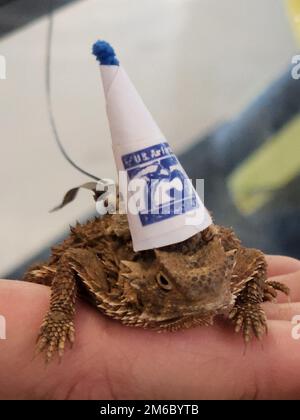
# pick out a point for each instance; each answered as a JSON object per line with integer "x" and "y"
{"x": 162, "y": 206}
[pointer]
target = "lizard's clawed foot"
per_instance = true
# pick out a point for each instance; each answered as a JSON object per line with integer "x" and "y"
{"x": 272, "y": 288}
{"x": 56, "y": 330}
{"x": 250, "y": 319}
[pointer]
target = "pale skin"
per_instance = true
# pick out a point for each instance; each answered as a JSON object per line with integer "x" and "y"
{"x": 111, "y": 361}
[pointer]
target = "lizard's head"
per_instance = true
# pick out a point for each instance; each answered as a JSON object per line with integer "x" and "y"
{"x": 181, "y": 281}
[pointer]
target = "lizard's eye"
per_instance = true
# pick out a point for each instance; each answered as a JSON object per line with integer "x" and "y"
{"x": 163, "y": 281}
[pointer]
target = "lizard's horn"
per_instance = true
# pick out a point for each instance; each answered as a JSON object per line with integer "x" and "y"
{"x": 162, "y": 206}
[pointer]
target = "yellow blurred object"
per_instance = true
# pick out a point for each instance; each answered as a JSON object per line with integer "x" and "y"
{"x": 275, "y": 163}
{"x": 269, "y": 169}
{"x": 293, "y": 7}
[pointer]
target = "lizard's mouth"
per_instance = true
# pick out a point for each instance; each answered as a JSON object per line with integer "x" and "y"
{"x": 199, "y": 312}
{"x": 166, "y": 319}
{"x": 181, "y": 322}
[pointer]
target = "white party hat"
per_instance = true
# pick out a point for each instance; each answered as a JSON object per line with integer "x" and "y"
{"x": 162, "y": 205}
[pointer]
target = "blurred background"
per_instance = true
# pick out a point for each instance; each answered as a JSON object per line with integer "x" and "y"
{"x": 216, "y": 76}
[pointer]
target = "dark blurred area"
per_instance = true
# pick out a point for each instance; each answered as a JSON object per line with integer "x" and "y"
{"x": 274, "y": 227}
{"x": 16, "y": 13}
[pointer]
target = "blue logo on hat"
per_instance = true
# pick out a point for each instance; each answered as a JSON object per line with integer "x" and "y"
{"x": 167, "y": 191}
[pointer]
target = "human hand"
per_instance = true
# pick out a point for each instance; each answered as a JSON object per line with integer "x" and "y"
{"x": 111, "y": 361}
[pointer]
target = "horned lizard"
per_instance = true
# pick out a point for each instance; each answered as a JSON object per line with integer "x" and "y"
{"x": 165, "y": 289}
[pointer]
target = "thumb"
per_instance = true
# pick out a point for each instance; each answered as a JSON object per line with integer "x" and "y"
{"x": 24, "y": 376}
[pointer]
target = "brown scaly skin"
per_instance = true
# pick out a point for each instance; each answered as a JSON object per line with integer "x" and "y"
{"x": 166, "y": 289}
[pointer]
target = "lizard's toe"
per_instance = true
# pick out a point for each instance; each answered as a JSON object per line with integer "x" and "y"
{"x": 250, "y": 319}
{"x": 272, "y": 288}
{"x": 56, "y": 330}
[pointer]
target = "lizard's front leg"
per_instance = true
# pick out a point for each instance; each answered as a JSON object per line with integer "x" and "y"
{"x": 248, "y": 285}
{"x": 251, "y": 287}
{"x": 247, "y": 314}
{"x": 58, "y": 326}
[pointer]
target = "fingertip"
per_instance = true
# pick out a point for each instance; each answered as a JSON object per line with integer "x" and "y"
{"x": 280, "y": 265}
{"x": 279, "y": 364}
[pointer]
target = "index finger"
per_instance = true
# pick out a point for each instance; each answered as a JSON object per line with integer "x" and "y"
{"x": 280, "y": 265}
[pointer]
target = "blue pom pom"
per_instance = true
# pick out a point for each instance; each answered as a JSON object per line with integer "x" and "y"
{"x": 105, "y": 53}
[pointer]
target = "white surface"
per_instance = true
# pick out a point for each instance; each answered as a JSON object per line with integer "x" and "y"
{"x": 129, "y": 119}
{"x": 223, "y": 52}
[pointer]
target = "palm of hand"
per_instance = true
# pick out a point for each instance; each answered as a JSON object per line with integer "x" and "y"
{"x": 112, "y": 361}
